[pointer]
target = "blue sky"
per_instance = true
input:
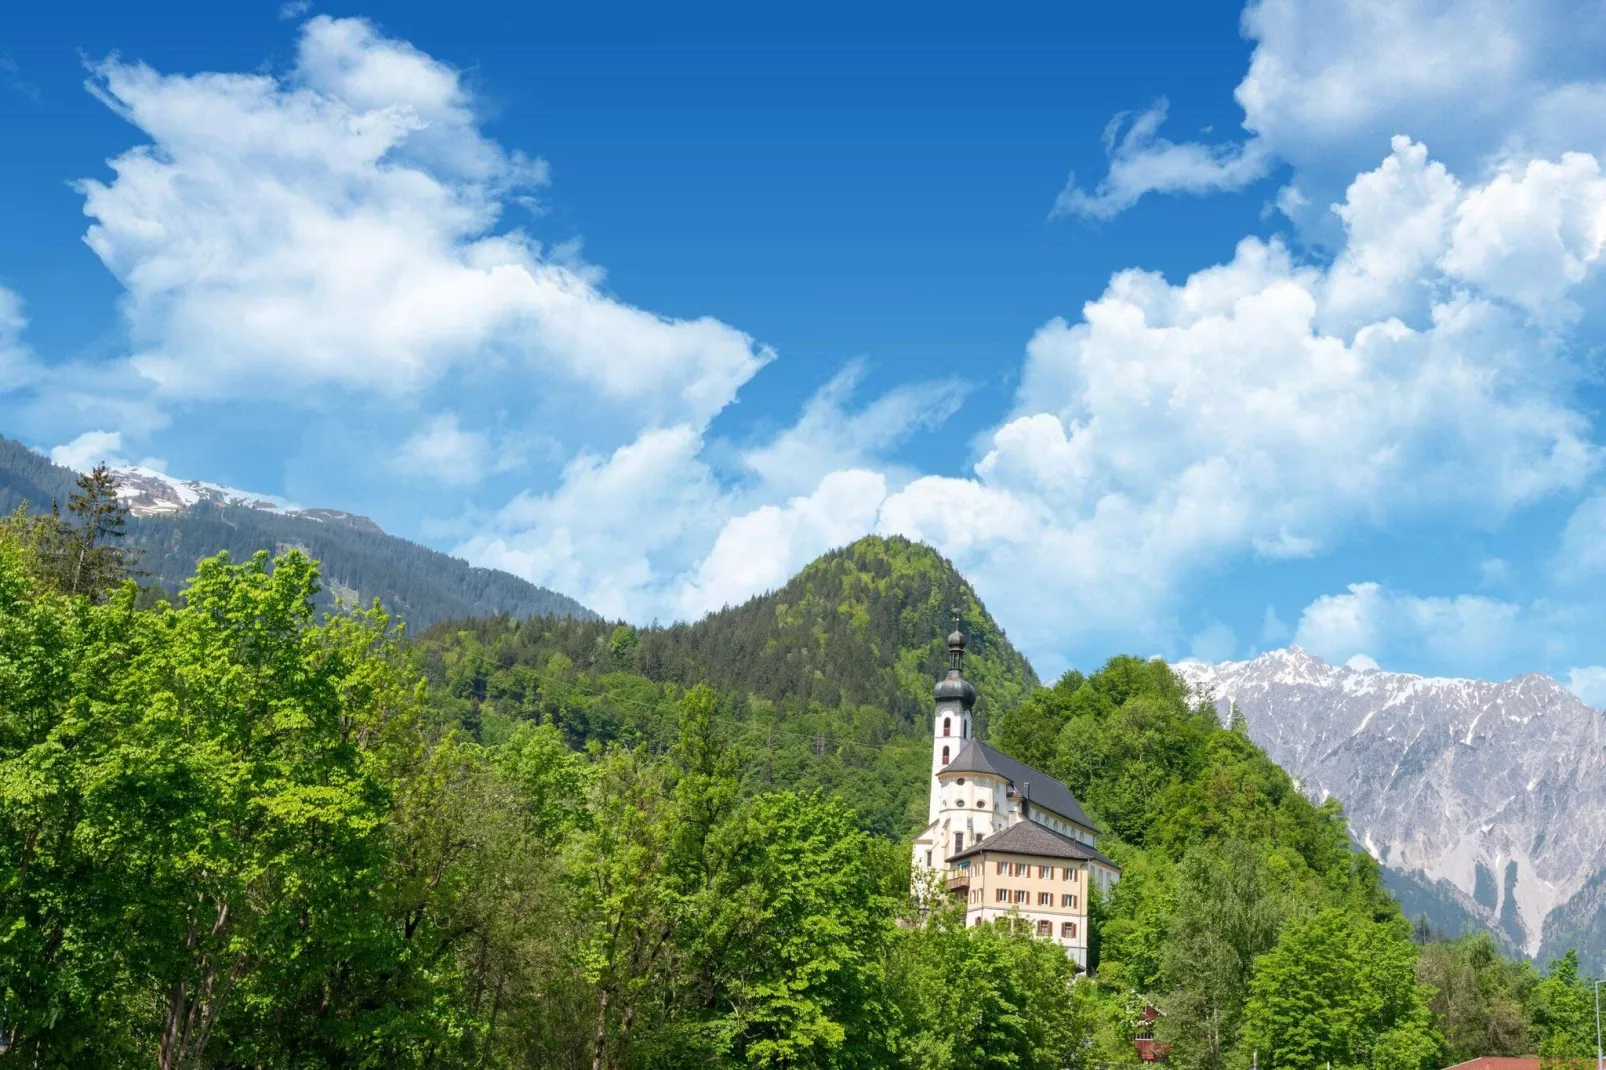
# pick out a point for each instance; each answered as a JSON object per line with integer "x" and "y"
{"x": 1182, "y": 329}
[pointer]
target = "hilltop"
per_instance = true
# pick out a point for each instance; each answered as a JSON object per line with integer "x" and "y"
{"x": 833, "y": 672}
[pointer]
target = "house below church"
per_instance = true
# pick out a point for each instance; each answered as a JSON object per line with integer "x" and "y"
{"x": 1010, "y": 840}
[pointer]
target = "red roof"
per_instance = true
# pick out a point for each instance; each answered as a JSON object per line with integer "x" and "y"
{"x": 1497, "y": 1062}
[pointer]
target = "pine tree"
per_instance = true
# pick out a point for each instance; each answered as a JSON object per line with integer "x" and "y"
{"x": 95, "y": 558}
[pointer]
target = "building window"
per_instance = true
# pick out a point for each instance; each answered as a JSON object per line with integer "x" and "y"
{"x": 981, "y": 802}
{"x": 1045, "y": 899}
{"x": 947, "y": 723}
{"x": 1044, "y": 928}
{"x": 1067, "y": 900}
{"x": 1003, "y": 895}
{"x": 1067, "y": 872}
{"x": 1068, "y": 930}
{"x": 945, "y": 756}
{"x": 1003, "y": 867}
{"x": 964, "y": 729}
{"x": 1045, "y": 871}
{"x": 959, "y": 842}
{"x": 1020, "y": 896}
{"x": 928, "y": 859}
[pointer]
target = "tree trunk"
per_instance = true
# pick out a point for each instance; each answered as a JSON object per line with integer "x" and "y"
{"x": 602, "y": 1033}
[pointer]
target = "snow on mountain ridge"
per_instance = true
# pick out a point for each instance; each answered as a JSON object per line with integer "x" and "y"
{"x": 1499, "y": 788}
{"x": 150, "y": 492}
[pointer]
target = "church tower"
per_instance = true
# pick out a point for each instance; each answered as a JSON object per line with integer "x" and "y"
{"x": 951, "y": 726}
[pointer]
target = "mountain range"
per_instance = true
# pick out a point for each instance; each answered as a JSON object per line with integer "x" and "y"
{"x": 176, "y": 522}
{"x": 1485, "y": 802}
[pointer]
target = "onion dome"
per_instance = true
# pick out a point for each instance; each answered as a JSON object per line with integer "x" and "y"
{"x": 954, "y": 685}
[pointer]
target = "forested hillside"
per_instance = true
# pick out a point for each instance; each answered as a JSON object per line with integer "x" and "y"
{"x": 829, "y": 678}
{"x": 359, "y": 564}
{"x": 236, "y": 834}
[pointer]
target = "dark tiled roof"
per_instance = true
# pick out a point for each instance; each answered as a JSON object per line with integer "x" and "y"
{"x": 978, "y": 757}
{"x": 1030, "y": 838}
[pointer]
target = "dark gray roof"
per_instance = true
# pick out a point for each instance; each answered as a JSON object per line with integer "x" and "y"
{"x": 1030, "y": 838}
{"x": 978, "y": 757}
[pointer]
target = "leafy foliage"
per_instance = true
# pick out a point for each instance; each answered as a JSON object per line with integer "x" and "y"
{"x": 827, "y": 680}
{"x": 233, "y": 834}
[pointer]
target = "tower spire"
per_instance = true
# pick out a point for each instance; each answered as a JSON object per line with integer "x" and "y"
{"x": 956, "y": 645}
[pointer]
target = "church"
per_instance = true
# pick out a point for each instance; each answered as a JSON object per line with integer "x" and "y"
{"x": 1008, "y": 839}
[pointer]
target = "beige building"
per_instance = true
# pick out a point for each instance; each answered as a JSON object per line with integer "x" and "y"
{"x": 1011, "y": 840}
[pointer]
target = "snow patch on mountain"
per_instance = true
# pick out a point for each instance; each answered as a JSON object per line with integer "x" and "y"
{"x": 1439, "y": 776}
{"x": 151, "y": 492}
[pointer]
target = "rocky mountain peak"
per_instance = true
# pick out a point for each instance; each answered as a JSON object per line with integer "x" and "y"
{"x": 1498, "y": 789}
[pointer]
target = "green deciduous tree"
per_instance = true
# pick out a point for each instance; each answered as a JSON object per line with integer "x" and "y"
{"x": 1340, "y": 990}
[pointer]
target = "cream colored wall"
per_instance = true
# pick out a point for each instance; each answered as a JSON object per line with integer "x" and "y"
{"x": 982, "y": 904}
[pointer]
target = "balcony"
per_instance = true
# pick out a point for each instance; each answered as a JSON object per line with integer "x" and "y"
{"x": 959, "y": 880}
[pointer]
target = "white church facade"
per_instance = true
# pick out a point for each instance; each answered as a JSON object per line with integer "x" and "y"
{"x": 1010, "y": 840}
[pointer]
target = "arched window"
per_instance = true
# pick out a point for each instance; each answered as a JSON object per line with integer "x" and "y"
{"x": 945, "y": 756}
{"x": 947, "y": 726}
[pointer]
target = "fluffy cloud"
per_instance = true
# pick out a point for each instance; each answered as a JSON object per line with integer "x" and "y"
{"x": 1589, "y": 684}
{"x": 88, "y": 450}
{"x": 1463, "y": 634}
{"x": 1269, "y": 406}
{"x": 653, "y": 530}
{"x": 617, "y": 528}
{"x": 444, "y": 452}
{"x": 1264, "y": 407}
{"x": 337, "y": 227}
{"x": 1583, "y": 540}
{"x": 762, "y": 549}
{"x": 17, "y": 366}
{"x": 1141, "y": 162}
{"x": 1330, "y": 82}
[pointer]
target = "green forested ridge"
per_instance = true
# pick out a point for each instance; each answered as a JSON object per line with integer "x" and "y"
{"x": 235, "y": 835}
{"x": 418, "y": 584}
{"x": 829, "y": 678}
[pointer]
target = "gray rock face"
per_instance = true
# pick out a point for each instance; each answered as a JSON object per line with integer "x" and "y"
{"x": 1497, "y": 788}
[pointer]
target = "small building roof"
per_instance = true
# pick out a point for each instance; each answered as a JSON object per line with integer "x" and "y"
{"x": 1030, "y": 838}
{"x": 978, "y": 757}
{"x": 1498, "y": 1062}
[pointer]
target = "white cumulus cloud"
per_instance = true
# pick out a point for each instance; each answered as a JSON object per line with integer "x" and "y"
{"x": 1589, "y": 684}
{"x": 444, "y": 452}
{"x": 342, "y": 226}
{"x": 1464, "y": 633}
{"x": 1266, "y": 406}
{"x": 1331, "y": 80}
{"x": 88, "y": 450}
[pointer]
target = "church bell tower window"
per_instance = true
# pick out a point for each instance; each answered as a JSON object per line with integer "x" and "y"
{"x": 947, "y": 726}
{"x": 945, "y": 756}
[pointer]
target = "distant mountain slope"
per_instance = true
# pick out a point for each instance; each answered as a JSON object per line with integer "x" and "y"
{"x": 1498, "y": 789}
{"x": 184, "y": 521}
